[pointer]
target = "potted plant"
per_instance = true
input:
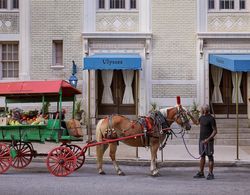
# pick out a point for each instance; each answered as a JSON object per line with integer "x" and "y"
{"x": 195, "y": 110}
{"x": 153, "y": 106}
{"x": 78, "y": 110}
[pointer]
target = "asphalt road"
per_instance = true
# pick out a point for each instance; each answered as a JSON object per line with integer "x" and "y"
{"x": 36, "y": 180}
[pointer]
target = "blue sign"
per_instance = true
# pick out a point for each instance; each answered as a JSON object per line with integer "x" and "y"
{"x": 112, "y": 62}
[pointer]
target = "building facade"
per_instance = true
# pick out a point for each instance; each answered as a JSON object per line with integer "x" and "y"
{"x": 173, "y": 39}
{"x": 223, "y": 29}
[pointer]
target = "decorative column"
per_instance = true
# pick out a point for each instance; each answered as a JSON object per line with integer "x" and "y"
{"x": 25, "y": 40}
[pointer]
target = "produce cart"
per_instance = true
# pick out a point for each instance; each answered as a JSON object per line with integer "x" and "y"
{"x": 16, "y": 137}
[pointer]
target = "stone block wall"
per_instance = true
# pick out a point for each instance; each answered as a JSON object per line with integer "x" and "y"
{"x": 174, "y": 46}
{"x": 56, "y": 20}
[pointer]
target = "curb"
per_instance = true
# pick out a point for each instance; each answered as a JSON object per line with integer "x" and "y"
{"x": 166, "y": 163}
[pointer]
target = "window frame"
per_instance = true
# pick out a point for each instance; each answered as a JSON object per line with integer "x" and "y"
{"x": 240, "y": 4}
{"x": 211, "y": 4}
{"x": 13, "y": 2}
{"x": 12, "y": 59}
{"x": 133, "y": 2}
{"x": 106, "y": 5}
{"x": 231, "y": 4}
{"x": 117, "y": 4}
{"x": 55, "y": 53}
{"x": 2, "y": 2}
{"x": 101, "y": 2}
{"x": 10, "y": 5}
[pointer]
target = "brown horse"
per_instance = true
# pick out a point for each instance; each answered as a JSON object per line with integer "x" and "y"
{"x": 153, "y": 126}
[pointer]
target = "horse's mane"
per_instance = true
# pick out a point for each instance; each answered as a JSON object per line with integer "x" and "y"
{"x": 164, "y": 111}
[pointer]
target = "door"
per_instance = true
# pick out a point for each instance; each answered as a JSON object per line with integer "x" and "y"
{"x": 226, "y": 86}
{"x": 117, "y": 103}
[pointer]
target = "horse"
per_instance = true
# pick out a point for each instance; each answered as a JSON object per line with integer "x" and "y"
{"x": 155, "y": 127}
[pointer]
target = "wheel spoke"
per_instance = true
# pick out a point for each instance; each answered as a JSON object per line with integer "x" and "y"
{"x": 24, "y": 155}
{"x": 5, "y": 159}
{"x": 61, "y": 161}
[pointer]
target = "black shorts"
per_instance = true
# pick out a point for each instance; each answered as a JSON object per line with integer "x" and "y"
{"x": 206, "y": 149}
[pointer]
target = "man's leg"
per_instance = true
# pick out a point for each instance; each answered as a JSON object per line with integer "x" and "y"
{"x": 211, "y": 163}
{"x": 202, "y": 163}
{"x": 211, "y": 160}
{"x": 200, "y": 174}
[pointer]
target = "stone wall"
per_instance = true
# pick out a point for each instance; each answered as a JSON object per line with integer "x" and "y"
{"x": 56, "y": 20}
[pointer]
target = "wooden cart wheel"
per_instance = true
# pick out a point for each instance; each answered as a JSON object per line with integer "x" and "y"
{"x": 61, "y": 161}
{"x": 24, "y": 155}
{"x": 80, "y": 156}
{"x": 5, "y": 158}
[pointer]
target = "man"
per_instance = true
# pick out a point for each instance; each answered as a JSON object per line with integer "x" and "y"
{"x": 208, "y": 130}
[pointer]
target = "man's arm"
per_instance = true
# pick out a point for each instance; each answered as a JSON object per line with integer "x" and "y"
{"x": 212, "y": 135}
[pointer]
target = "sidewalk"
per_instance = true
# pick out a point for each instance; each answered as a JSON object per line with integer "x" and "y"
{"x": 172, "y": 155}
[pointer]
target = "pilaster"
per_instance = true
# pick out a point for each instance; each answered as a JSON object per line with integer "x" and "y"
{"x": 25, "y": 40}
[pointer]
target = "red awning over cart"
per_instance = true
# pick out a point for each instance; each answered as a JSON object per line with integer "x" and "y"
{"x": 37, "y": 88}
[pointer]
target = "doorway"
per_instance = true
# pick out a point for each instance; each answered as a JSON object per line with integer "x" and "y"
{"x": 116, "y": 92}
{"x": 225, "y": 101}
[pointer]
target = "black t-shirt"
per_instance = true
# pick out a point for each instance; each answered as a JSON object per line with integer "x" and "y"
{"x": 207, "y": 123}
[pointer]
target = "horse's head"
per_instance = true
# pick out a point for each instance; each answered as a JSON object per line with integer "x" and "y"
{"x": 182, "y": 118}
{"x": 179, "y": 115}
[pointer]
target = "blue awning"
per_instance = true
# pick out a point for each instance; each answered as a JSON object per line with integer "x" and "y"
{"x": 112, "y": 62}
{"x": 232, "y": 62}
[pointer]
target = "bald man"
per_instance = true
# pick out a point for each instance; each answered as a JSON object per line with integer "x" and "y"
{"x": 208, "y": 130}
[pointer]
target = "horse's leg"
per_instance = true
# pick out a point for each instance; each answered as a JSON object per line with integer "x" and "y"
{"x": 154, "y": 148}
{"x": 100, "y": 149}
{"x": 112, "y": 152}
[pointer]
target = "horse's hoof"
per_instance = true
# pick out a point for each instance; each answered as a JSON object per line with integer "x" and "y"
{"x": 155, "y": 173}
{"x": 120, "y": 173}
{"x": 102, "y": 173}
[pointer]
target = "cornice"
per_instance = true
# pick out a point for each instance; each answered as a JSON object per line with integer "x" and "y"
{"x": 116, "y": 35}
{"x": 223, "y": 35}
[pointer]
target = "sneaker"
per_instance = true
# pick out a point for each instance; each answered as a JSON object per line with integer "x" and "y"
{"x": 199, "y": 175}
{"x": 210, "y": 176}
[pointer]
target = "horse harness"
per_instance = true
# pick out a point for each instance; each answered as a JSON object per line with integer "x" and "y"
{"x": 159, "y": 128}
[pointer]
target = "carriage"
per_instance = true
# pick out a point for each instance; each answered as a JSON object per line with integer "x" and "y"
{"x": 16, "y": 149}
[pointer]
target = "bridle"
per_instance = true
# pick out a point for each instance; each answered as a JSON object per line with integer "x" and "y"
{"x": 182, "y": 115}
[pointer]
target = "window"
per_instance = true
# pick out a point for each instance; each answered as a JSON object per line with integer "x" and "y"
{"x": 10, "y": 64}
{"x": 132, "y": 4}
{"x": 15, "y": 4}
{"x": 210, "y": 4}
{"x": 101, "y": 4}
{"x": 242, "y": 4}
{"x": 3, "y": 4}
{"x": 117, "y": 4}
{"x": 226, "y": 4}
{"x": 57, "y": 53}
{"x": 9, "y": 4}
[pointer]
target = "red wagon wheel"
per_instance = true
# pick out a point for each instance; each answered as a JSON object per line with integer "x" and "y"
{"x": 5, "y": 158}
{"x": 61, "y": 161}
{"x": 24, "y": 155}
{"x": 80, "y": 156}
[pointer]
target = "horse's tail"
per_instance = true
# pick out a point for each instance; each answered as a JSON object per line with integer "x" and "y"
{"x": 98, "y": 130}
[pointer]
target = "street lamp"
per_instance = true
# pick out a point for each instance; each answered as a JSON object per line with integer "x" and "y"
{"x": 73, "y": 79}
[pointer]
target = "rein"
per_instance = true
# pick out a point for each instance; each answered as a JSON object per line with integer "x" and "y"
{"x": 182, "y": 132}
